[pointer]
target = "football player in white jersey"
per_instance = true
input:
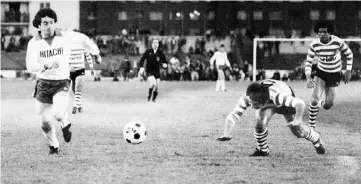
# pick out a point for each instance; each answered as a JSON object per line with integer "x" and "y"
{"x": 327, "y": 49}
{"x": 48, "y": 56}
{"x": 268, "y": 98}
{"x": 77, "y": 70}
{"x": 221, "y": 62}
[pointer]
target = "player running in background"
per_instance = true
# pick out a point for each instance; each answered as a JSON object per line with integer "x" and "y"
{"x": 327, "y": 49}
{"x": 48, "y": 55}
{"x": 77, "y": 69}
{"x": 155, "y": 59}
{"x": 221, "y": 63}
{"x": 269, "y": 97}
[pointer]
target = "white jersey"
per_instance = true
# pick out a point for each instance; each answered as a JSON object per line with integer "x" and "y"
{"x": 39, "y": 52}
{"x": 328, "y": 55}
{"x": 220, "y": 58}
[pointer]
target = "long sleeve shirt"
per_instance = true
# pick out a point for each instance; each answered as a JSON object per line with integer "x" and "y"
{"x": 40, "y": 52}
{"x": 153, "y": 60}
{"x": 220, "y": 58}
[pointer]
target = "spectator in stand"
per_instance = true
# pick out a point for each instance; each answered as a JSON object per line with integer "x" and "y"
{"x": 284, "y": 77}
{"x": 276, "y": 75}
{"x": 175, "y": 68}
{"x": 126, "y": 66}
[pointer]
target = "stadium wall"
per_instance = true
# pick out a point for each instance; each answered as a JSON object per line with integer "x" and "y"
{"x": 279, "y": 16}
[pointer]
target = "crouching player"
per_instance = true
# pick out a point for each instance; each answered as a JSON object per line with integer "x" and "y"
{"x": 269, "y": 97}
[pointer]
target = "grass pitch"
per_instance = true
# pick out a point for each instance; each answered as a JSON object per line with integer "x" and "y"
{"x": 180, "y": 147}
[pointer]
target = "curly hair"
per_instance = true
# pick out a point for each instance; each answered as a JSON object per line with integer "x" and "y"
{"x": 324, "y": 24}
{"x": 44, "y": 12}
{"x": 259, "y": 91}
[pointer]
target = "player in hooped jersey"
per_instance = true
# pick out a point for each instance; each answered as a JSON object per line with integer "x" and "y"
{"x": 327, "y": 49}
{"x": 77, "y": 69}
{"x": 268, "y": 98}
{"x": 48, "y": 55}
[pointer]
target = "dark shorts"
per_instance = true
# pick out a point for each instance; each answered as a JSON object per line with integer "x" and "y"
{"x": 76, "y": 73}
{"x": 155, "y": 74}
{"x": 46, "y": 89}
{"x": 331, "y": 79}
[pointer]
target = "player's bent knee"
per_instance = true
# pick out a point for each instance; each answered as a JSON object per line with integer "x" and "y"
{"x": 298, "y": 131}
{"x": 59, "y": 116}
{"x": 260, "y": 128}
{"x": 314, "y": 101}
{"x": 46, "y": 127}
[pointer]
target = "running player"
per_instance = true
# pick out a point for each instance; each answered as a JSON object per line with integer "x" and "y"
{"x": 77, "y": 69}
{"x": 327, "y": 49}
{"x": 48, "y": 55}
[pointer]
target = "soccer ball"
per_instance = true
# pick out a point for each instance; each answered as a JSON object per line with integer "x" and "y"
{"x": 134, "y": 132}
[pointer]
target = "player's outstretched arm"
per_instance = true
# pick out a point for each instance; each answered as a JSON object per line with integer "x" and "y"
{"x": 80, "y": 38}
{"x": 233, "y": 118}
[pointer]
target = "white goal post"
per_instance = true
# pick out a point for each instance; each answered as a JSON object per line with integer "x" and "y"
{"x": 258, "y": 40}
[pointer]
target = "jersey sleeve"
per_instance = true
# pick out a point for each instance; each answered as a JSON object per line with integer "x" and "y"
{"x": 80, "y": 38}
{"x": 142, "y": 59}
{"x": 163, "y": 58}
{"x": 348, "y": 53}
{"x": 309, "y": 60}
{"x": 213, "y": 58}
{"x": 238, "y": 110}
{"x": 32, "y": 58}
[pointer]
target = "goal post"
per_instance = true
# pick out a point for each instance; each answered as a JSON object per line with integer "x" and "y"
{"x": 292, "y": 46}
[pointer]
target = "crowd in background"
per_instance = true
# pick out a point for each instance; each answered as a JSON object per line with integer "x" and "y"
{"x": 122, "y": 53}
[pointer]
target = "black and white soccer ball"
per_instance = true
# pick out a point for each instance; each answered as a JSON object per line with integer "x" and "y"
{"x": 135, "y": 132}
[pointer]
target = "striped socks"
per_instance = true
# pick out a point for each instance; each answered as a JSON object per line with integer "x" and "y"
{"x": 77, "y": 99}
{"x": 261, "y": 139}
{"x": 312, "y": 114}
{"x": 312, "y": 136}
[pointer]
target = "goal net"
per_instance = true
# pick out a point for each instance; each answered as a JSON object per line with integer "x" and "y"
{"x": 287, "y": 56}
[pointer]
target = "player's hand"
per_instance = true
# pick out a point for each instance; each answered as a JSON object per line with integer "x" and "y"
{"x": 224, "y": 138}
{"x": 71, "y": 69}
{"x": 347, "y": 76}
{"x": 92, "y": 73}
{"x": 141, "y": 70}
{"x": 294, "y": 123}
{"x": 98, "y": 59}
{"x": 53, "y": 64}
{"x": 310, "y": 82}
